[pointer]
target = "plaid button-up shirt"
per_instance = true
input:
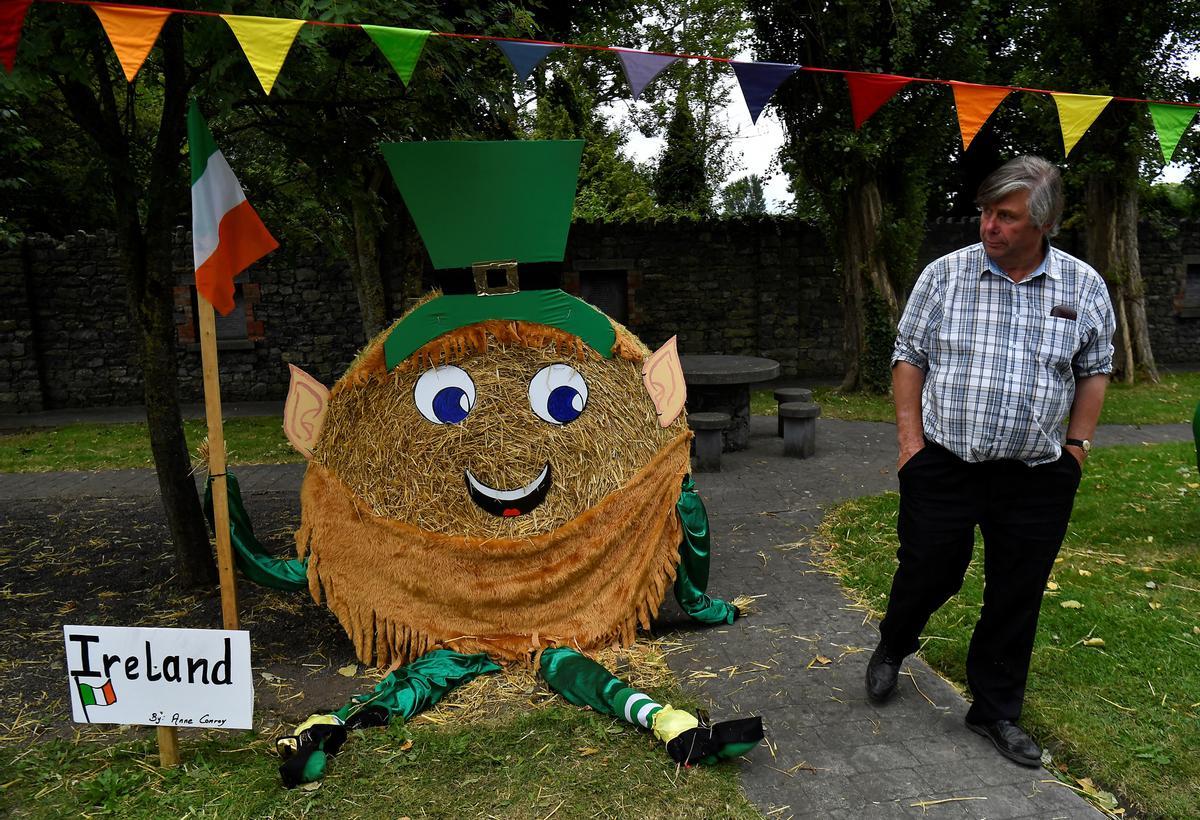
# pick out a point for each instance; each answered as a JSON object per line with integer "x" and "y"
{"x": 1000, "y": 371}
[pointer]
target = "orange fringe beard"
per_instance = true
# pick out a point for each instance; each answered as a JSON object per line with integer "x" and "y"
{"x": 400, "y": 591}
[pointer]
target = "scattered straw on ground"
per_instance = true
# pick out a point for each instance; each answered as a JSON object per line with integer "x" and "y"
{"x": 643, "y": 666}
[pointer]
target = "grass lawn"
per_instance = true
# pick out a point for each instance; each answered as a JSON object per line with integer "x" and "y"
{"x": 1114, "y": 690}
{"x": 1173, "y": 400}
{"x": 555, "y": 760}
{"x": 261, "y": 440}
{"x": 112, "y": 446}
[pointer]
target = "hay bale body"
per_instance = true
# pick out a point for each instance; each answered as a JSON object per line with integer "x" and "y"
{"x": 408, "y": 561}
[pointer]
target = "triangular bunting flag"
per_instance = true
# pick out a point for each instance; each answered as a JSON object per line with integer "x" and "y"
{"x": 401, "y": 46}
{"x": 12, "y": 17}
{"x": 869, "y": 91}
{"x": 975, "y": 103}
{"x": 641, "y": 67}
{"x": 227, "y": 235}
{"x": 759, "y": 81}
{"x": 266, "y": 41}
{"x": 1076, "y": 113}
{"x": 524, "y": 56}
{"x": 132, "y": 32}
{"x": 1170, "y": 121}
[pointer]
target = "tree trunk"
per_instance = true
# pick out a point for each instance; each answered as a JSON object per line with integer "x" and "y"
{"x": 364, "y": 255}
{"x": 152, "y": 290}
{"x": 869, "y": 302}
{"x": 1112, "y": 246}
{"x": 149, "y": 277}
{"x": 152, "y": 307}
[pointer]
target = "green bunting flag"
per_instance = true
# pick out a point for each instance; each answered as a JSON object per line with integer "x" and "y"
{"x": 401, "y": 46}
{"x": 1170, "y": 121}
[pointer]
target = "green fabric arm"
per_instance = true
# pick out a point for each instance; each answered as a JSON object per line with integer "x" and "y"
{"x": 420, "y": 684}
{"x": 691, "y": 581}
{"x": 252, "y": 558}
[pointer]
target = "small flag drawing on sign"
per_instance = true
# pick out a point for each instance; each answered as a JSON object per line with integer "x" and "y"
{"x": 97, "y": 695}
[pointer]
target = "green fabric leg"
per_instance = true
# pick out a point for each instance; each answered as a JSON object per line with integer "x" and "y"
{"x": 420, "y": 684}
{"x": 691, "y": 581}
{"x": 583, "y": 682}
{"x": 258, "y": 565}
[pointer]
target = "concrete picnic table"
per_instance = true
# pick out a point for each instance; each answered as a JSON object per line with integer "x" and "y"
{"x": 721, "y": 384}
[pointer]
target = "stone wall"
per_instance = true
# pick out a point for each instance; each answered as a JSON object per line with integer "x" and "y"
{"x": 761, "y": 286}
{"x": 757, "y": 287}
{"x": 20, "y": 383}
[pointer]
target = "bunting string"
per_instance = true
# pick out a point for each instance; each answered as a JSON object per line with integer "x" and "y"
{"x": 133, "y": 29}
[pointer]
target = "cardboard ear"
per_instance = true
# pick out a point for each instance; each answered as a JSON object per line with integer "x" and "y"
{"x": 662, "y": 374}
{"x": 304, "y": 411}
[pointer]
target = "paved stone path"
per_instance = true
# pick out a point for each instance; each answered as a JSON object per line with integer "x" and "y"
{"x": 832, "y": 754}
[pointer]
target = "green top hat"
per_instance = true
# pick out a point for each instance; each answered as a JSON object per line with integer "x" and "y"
{"x": 491, "y": 202}
{"x": 476, "y": 202}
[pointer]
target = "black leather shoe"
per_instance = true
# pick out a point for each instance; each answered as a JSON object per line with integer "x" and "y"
{"x": 1010, "y": 740}
{"x": 882, "y": 671}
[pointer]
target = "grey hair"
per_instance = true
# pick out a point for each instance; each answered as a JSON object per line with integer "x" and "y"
{"x": 1027, "y": 173}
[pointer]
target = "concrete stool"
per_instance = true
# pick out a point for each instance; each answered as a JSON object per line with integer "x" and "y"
{"x": 786, "y": 394}
{"x": 799, "y": 428}
{"x": 709, "y": 441}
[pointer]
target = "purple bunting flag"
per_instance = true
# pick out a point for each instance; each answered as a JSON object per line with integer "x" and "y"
{"x": 524, "y": 56}
{"x": 641, "y": 67}
{"x": 759, "y": 82}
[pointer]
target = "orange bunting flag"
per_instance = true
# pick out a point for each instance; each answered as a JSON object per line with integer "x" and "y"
{"x": 975, "y": 103}
{"x": 869, "y": 91}
{"x": 132, "y": 32}
{"x": 266, "y": 42}
{"x": 1076, "y": 113}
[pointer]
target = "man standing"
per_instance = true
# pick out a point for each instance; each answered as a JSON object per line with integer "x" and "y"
{"x": 998, "y": 342}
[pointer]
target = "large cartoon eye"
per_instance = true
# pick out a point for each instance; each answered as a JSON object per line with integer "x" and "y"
{"x": 558, "y": 394}
{"x": 444, "y": 395}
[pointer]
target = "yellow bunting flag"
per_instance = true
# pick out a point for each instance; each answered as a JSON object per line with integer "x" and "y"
{"x": 1076, "y": 113}
{"x": 266, "y": 41}
{"x": 975, "y": 103}
{"x": 132, "y": 32}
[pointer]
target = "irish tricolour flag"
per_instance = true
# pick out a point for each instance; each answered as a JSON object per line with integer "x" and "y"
{"x": 227, "y": 235}
{"x": 96, "y": 695}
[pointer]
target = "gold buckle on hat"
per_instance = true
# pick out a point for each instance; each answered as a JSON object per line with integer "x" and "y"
{"x": 487, "y": 277}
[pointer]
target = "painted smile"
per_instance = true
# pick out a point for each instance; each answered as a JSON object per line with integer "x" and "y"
{"x": 509, "y": 503}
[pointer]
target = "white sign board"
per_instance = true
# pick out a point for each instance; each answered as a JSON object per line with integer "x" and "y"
{"x": 195, "y": 678}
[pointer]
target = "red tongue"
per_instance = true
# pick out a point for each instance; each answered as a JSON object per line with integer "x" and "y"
{"x": 511, "y": 512}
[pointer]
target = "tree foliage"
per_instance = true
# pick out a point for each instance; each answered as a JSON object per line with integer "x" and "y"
{"x": 1131, "y": 50}
{"x": 744, "y": 197}
{"x": 611, "y": 186}
{"x": 716, "y": 28}
{"x": 872, "y": 184}
{"x": 680, "y": 184}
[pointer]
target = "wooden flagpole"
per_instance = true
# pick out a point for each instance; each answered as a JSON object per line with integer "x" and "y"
{"x": 216, "y": 460}
{"x": 168, "y": 736}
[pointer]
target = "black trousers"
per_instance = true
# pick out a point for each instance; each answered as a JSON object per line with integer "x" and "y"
{"x": 1022, "y": 512}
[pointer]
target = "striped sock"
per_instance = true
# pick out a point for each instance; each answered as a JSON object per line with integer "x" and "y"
{"x": 636, "y": 707}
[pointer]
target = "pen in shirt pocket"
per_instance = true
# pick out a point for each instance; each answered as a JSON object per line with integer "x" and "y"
{"x": 1064, "y": 312}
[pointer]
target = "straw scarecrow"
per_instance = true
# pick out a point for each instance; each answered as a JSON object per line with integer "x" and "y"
{"x": 500, "y": 476}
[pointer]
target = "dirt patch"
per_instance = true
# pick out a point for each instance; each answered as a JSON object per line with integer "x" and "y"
{"x": 109, "y": 562}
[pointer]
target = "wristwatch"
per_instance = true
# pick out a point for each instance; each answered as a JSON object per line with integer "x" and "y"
{"x": 1082, "y": 443}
